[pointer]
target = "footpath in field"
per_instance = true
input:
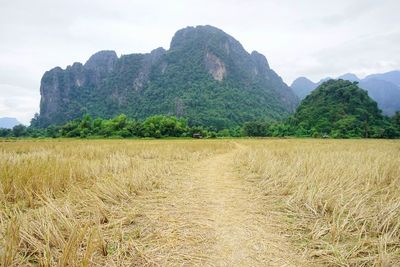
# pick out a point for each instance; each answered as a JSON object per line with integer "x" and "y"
{"x": 211, "y": 216}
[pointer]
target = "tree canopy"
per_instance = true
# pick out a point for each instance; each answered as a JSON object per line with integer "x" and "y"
{"x": 336, "y": 109}
{"x": 340, "y": 109}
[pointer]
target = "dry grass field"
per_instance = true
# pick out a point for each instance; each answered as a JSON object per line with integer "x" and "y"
{"x": 264, "y": 202}
{"x": 340, "y": 200}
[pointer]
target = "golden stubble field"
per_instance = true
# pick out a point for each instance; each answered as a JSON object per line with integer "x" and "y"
{"x": 266, "y": 202}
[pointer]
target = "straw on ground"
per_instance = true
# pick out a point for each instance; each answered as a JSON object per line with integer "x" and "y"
{"x": 194, "y": 202}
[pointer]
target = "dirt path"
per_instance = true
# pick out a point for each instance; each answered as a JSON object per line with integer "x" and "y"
{"x": 212, "y": 217}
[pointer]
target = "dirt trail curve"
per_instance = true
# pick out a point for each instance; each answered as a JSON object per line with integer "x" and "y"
{"x": 212, "y": 217}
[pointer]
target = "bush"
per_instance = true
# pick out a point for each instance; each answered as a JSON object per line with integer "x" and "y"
{"x": 255, "y": 128}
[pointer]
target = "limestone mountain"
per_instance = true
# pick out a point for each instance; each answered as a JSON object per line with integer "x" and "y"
{"x": 349, "y": 77}
{"x": 302, "y": 87}
{"x": 206, "y": 76}
{"x": 391, "y": 76}
{"x": 383, "y": 88}
{"x": 341, "y": 109}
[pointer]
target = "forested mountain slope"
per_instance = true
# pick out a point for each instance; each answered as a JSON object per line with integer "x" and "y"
{"x": 206, "y": 76}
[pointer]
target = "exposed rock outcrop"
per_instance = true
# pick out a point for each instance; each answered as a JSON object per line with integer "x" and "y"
{"x": 215, "y": 66}
{"x": 206, "y": 76}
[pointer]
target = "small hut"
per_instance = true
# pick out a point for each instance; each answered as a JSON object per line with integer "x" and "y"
{"x": 197, "y": 135}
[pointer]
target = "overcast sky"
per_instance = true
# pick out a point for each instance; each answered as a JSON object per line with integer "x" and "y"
{"x": 312, "y": 38}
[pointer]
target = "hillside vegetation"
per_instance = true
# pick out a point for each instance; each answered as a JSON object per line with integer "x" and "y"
{"x": 206, "y": 76}
{"x": 383, "y": 88}
{"x": 339, "y": 108}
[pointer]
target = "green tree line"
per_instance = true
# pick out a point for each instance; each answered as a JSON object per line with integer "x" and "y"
{"x": 169, "y": 126}
{"x": 121, "y": 126}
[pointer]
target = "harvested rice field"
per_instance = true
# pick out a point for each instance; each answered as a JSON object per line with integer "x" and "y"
{"x": 223, "y": 202}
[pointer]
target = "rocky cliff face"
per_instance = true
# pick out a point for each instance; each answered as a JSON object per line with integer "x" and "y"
{"x": 206, "y": 76}
{"x": 64, "y": 92}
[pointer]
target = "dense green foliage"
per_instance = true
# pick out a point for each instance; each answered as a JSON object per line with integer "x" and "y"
{"x": 177, "y": 82}
{"x": 383, "y": 88}
{"x": 121, "y": 126}
{"x": 256, "y": 128}
{"x": 340, "y": 109}
{"x": 336, "y": 109}
{"x": 168, "y": 126}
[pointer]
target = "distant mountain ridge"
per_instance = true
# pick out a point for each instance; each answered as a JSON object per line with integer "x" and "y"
{"x": 384, "y": 88}
{"x": 303, "y": 86}
{"x": 206, "y": 76}
{"x": 391, "y": 76}
{"x": 349, "y": 77}
{"x": 8, "y": 123}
